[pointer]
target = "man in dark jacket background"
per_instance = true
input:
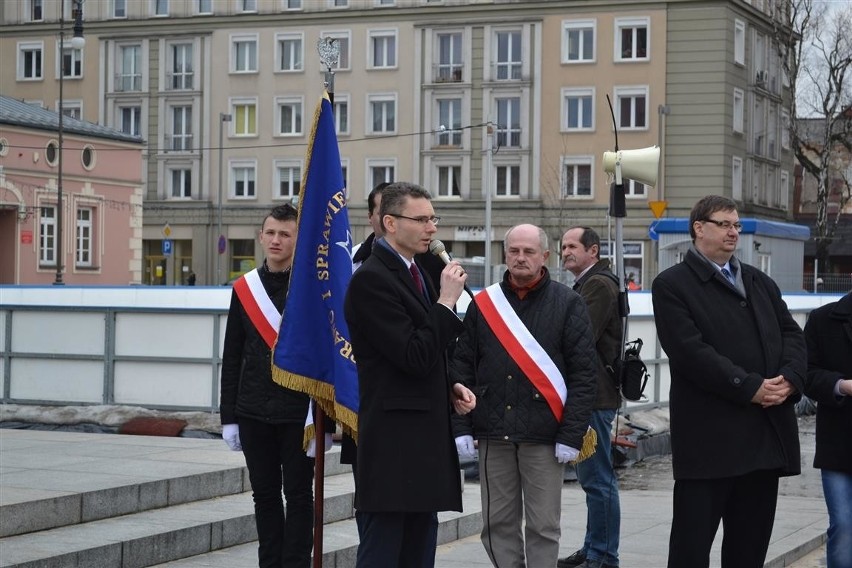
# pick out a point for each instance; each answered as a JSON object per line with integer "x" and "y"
{"x": 738, "y": 364}
{"x": 598, "y": 286}
{"x": 829, "y": 337}
{"x": 260, "y": 417}
{"x": 529, "y": 420}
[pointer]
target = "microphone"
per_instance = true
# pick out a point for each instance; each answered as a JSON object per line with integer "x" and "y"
{"x": 437, "y": 248}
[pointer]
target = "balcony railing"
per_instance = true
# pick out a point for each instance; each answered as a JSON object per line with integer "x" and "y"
{"x": 128, "y": 82}
{"x": 179, "y": 142}
{"x": 180, "y": 81}
{"x": 448, "y": 73}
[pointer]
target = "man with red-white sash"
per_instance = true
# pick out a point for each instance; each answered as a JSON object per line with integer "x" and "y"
{"x": 262, "y": 419}
{"x": 528, "y": 353}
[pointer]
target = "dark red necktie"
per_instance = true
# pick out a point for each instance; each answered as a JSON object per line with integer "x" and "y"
{"x": 415, "y": 274}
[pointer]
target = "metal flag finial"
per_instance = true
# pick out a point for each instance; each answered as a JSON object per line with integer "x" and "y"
{"x": 329, "y": 52}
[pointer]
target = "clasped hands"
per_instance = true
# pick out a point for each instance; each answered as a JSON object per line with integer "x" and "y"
{"x": 773, "y": 391}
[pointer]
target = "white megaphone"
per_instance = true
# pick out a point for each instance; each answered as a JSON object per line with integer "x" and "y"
{"x": 639, "y": 165}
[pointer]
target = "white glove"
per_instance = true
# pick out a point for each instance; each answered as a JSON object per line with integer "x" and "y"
{"x": 312, "y": 446}
{"x": 231, "y": 435}
{"x": 565, "y": 454}
{"x": 464, "y": 446}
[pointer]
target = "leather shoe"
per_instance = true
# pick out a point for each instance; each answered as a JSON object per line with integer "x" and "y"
{"x": 593, "y": 564}
{"x": 572, "y": 561}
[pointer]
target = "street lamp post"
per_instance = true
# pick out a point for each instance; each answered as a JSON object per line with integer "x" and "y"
{"x": 223, "y": 118}
{"x": 77, "y": 42}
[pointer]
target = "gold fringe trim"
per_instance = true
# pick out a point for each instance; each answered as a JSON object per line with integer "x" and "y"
{"x": 323, "y": 394}
{"x": 590, "y": 442}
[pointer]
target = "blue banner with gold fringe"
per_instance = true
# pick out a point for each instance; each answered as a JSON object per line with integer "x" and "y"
{"x": 313, "y": 353}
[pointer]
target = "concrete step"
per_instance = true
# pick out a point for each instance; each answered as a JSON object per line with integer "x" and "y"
{"x": 340, "y": 540}
{"x": 158, "y": 535}
{"x": 70, "y": 500}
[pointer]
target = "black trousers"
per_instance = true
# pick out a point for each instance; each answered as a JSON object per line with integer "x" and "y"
{"x": 276, "y": 463}
{"x": 746, "y": 507}
{"x": 396, "y": 540}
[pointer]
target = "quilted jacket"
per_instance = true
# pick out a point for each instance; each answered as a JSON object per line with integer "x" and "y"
{"x": 247, "y": 386}
{"x": 508, "y": 406}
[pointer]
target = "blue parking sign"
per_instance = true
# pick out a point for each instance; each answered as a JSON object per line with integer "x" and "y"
{"x": 167, "y": 247}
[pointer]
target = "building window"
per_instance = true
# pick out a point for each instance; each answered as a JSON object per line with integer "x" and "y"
{"x": 181, "y": 67}
{"x": 288, "y": 179}
{"x": 633, "y": 188}
{"x": 449, "y": 116}
{"x": 248, "y": 5}
{"x": 784, "y": 189}
{"x": 128, "y": 76}
{"x": 785, "y": 130}
{"x": 772, "y": 131}
{"x": 509, "y": 48}
{"x": 632, "y": 108}
{"x": 385, "y": 2}
{"x": 737, "y": 178}
{"x": 508, "y": 181}
{"x": 509, "y": 122}
{"x": 739, "y": 106}
{"x": 577, "y": 176}
{"x": 631, "y": 39}
{"x": 72, "y": 63}
{"x": 338, "y": 3}
{"x": 205, "y": 6}
{"x": 739, "y": 42}
{"x": 344, "y": 167}
{"x": 578, "y": 109}
{"x": 242, "y": 180}
{"x": 289, "y": 117}
{"x": 181, "y": 183}
{"x": 383, "y": 49}
{"x": 119, "y": 9}
{"x": 634, "y": 258}
{"x": 382, "y": 113}
{"x": 130, "y": 119}
{"x": 449, "y": 56}
{"x": 380, "y": 171}
{"x": 30, "y": 61}
{"x": 289, "y": 52}
{"x": 160, "y": 7}
{"x": 181, "y": 129}
{"x": 244, "y": 54}
{"x": 84, "y": 228}
{"x": 578, "y": 41}
{"x": 292, "y": 4}
{"x": 51, "y": 153}
{"x": 342, "y": 39}
{"x": 47, "y": 236}
{"x": 449, "y": 178}
{"x": 341, "y": 113}
{"x": 87, "y": 157}
{"x": 245, "y": 118}
{"x": 36, "y": 10}
{"x": 758, "y": 127}
{"x": 71, "y": 109}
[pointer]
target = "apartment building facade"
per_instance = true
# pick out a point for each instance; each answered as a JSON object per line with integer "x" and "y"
{"x": 456, "y": 95}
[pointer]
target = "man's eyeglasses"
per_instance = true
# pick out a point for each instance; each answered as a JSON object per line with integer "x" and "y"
{"x": 726, "y": 225}
{"x": 422, "y": 220}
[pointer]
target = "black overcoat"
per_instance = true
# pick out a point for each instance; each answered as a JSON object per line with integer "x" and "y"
{"x": 720, "y": 347}
{"x": 829, "y": 336}
{"x": 407, "y": 459}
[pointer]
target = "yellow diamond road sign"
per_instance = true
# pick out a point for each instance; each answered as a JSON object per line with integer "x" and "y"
{"x": 167, "y": 231}
{"x": 658, "y": 207}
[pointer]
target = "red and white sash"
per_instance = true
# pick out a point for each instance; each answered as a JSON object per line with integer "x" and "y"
{"x": 523, "y": 348}
{"x": 258, "y": 306}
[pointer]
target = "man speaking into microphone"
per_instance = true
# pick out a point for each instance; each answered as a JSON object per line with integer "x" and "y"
{"x": 408, "y": 469}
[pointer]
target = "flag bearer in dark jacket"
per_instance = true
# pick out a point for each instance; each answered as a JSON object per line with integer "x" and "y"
{"x": 260, "y": 417}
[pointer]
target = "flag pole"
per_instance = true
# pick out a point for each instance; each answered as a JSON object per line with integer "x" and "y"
{"x": 329, "y": 53}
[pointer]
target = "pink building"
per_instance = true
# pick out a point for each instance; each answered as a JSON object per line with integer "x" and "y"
{"x": 101, "y": 218}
